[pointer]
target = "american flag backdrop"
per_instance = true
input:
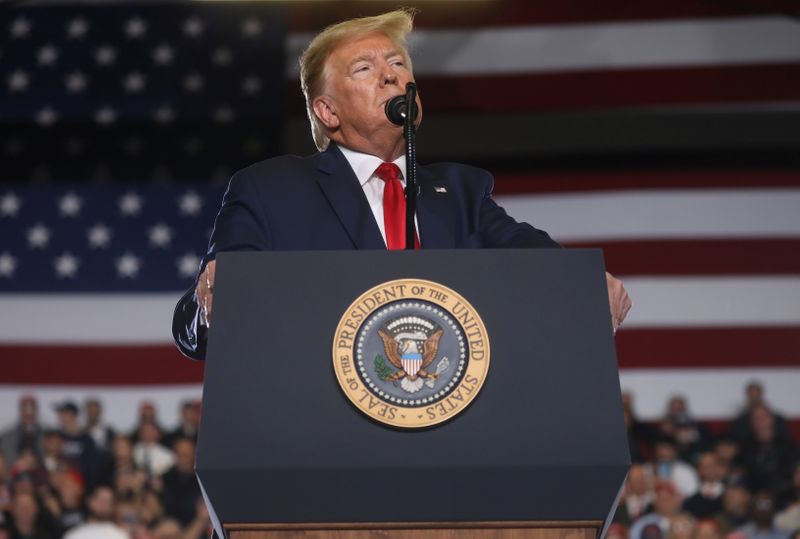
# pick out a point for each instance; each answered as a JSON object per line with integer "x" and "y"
{"x": 667, "y": 134}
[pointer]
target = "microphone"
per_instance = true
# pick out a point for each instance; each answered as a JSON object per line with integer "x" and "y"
{"x": 396, "y": 110}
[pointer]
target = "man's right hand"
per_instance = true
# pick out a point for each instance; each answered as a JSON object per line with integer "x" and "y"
{"x": 205, "y": 292}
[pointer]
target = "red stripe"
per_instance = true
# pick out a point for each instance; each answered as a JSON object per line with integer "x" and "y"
{"x": 701, "y": 257}
{"x": 636, "y": 348}
{"x": 612, "y": 88}
{"x": 600, "y": 88}
{"x": 313, "y": 16}
{"x": 507, "y": 183}
{"x": 709, "y": 347}
{"x": 97, "y": 365}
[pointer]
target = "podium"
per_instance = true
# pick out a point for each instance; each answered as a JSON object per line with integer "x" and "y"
{"x": 284, "y": 451}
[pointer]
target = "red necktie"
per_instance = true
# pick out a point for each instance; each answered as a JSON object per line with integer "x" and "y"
{"x": 394, "y": 207}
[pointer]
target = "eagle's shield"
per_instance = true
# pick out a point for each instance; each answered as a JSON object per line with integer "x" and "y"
{"x": 411, "y": 363}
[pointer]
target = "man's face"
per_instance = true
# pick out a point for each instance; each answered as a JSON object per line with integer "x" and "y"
{"x": 709, "y": 468}
{"x": 101, "y": 503}
{"x": 736, "y": 500}
{"x": 184, "y": 455}
{"x": 667, "y": 502}
{"x": 93, "y": 411}
{"x": 361, "y": 75}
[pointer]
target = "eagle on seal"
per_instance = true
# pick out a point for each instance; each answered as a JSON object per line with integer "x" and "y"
{"x": 396, "y": 348}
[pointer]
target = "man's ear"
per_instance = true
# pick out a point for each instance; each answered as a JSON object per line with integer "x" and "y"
{"x": 323, "y": 109}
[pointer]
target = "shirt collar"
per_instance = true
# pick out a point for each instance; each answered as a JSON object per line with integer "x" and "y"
{"x": 364, "y": 164}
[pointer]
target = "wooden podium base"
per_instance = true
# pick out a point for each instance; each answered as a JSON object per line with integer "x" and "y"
{"x": 419, "y": 530}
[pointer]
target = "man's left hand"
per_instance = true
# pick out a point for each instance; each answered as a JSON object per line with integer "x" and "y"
{"x": 618, "y": 299}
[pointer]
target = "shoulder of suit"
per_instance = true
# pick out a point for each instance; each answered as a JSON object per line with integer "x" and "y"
{"x": 280, "y": 166}
{"x": 457, "y": 168}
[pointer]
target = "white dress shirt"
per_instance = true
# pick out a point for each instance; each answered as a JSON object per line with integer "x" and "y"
{"x": 364, "y": 166}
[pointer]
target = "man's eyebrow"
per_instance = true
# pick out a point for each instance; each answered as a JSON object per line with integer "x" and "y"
{"x": 362, "y": 58}
{"x": 368, "y": 56}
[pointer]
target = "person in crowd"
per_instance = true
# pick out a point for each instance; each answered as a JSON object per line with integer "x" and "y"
{"x": 126, "y": 517}
{"x": 180, "y": 487}
{"x": 669, "y": 467}
{"x": 100, "y": 431}
{"x": 707, "y": 501}
{"x": 52, "y": 452}
{"x": 763, "y": 513}
{"x": 5, "y": 486}
{"x": 788, "y": 519}
{"x": 767, "y": 457}
{"x": 735, "y": 507}
{"x": 689, "y": 435}
{"x": 70, "y": 487}
{"x": 640, "y": 434}
{"x": 124, "y": 475}
{"x": 27, "y": 472}
{"x": 148, "y": 415}
{"x": 26, "y": 434}
{"x": 99, "y": 522}
{"x": 637, "y": 496}
{"x": 148, "y": 453}
{"x": 189, "y": 424}
{"x": 726, "y": 448}
{"x": 666, "y": 505}
{"x": 617, "y": 531}
{"x": 78, "y": 449}
{"x": 708, "y": 529}
{"x": 742, "y": 426}
{"x": 28, "y": 521}
{"x": 682, "y": 526}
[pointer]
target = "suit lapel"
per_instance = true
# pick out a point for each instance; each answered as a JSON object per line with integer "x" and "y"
{"x": 433, "y": 214}
{"x": 345, "y": 195}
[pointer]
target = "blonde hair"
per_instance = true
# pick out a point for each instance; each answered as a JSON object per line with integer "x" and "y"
{"x": 396, "y": 25}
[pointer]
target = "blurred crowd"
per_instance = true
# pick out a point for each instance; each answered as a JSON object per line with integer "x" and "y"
{"x": 735, "y": 479}
{"x": 83, "y": 479}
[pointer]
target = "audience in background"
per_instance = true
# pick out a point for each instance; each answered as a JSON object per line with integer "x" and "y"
{"x": 689, "y": 436}
{"x": 101, "y": 433}
{"x": 88, "y": 481}
{"x": 741, "y": 427}
{"x": 670, "y": 468}
{"x": 666, "y": 505}
{"x": 189, "y": 424}
{"x": 789, "y": 519}
{"x": 687, "y": 481}
{"x": 26, "y": 434}
{"x": 739, "y": 480}
{"x": 148, "y": 453}
{"x": 707, "y": 501}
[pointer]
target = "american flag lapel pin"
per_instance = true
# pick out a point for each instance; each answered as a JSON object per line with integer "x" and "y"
{"x": 439, "y": 189}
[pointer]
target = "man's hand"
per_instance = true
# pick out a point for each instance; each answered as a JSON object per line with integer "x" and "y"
{"x": 618, "y": 299}
{"x": 205, "y": 292}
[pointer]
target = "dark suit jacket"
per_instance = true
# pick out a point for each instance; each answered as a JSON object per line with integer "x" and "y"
{"x": 316, "y": 203}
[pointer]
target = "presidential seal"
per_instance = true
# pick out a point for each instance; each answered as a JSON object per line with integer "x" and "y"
{"x": 411, "y": 353}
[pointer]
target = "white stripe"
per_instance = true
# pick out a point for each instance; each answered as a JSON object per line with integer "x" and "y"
{"x": 713, "y": 393}
{"x": 120, "y": 404}
{"x": 660, "y": 213}
{"x": 714, "y": 301}
{"x": 87, "y": 318}
{"x": 147, "y": 319}
{"x": 613, "y": 45}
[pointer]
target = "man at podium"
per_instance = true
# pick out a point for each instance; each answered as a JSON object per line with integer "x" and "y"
{"x": 350, "y": 195}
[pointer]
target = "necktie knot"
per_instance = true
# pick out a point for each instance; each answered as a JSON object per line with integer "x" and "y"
{"x": 388, "y": 172}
